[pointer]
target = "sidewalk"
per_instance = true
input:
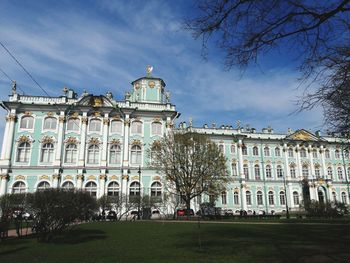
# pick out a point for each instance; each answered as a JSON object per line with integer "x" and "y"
{"x": 25, "y": 231}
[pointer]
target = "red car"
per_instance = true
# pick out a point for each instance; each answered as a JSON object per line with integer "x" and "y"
{"x": 183, "y": 212}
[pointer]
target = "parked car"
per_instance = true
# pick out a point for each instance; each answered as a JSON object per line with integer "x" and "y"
{"x": 112, "y": 215}
{"x": 155, "y": 214}
{"x": 228, "y": 212}
{"x": 183, "y": 212}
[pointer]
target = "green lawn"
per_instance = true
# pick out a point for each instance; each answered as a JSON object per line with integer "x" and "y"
{"x": 179, "y": 242}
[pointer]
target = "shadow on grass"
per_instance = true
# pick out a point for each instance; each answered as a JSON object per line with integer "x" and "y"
{"x": 287, "y": 243}
{"x": 11, "y": 251}
{"x": 79, "y": 235}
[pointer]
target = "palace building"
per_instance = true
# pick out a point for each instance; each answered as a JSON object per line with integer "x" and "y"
{"x": 99, "y": 143}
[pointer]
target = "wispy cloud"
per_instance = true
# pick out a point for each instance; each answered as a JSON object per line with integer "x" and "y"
{"x": 105, "y": 45}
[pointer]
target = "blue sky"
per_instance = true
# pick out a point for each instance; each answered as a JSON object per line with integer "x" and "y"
{"x": 102, "y": 46}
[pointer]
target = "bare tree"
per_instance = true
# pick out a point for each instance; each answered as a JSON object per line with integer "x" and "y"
{"x": 317, "y": 32}
{"x": 192, "y": 165}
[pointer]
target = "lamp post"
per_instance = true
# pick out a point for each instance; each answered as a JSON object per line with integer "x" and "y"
{"x": 139, "y": 201}
{"x": 285, "y": 195}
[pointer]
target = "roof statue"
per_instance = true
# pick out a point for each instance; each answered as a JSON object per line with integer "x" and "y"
{"x": 149, "y": 70}
{"x": 14, "y": 87}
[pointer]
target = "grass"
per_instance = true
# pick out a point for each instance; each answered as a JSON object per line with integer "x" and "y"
{"x": 179, "y": 242}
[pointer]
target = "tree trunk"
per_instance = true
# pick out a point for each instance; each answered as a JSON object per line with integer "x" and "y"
{"x": 188, "y": 207}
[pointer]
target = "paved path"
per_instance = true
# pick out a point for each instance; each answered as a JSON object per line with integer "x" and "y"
{"x": 25, "y": 231}
{"x": 250, "y": 223}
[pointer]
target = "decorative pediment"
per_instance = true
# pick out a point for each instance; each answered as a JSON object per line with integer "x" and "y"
{"x": 156, "y": 178}
{"x": 47, "y": 139}
{"x": 25, "y": 138}
{"x": 136, "y": 142}
{"x": 113, "y": 177}
{"x": 91, "y": 177}
{"x": 71, "y": 140}
{"x": 94, "y": 141}
{"x": 20, "y": 177}
{"x": 303, "y": 135}
{"x": 115, "y": 142}
{"x": 44, "y": 177}
{"x": 50, "y": 114}
{"x": 157, "y": 119}
{"x": 68, "y": 177}
{"x": 95, "y": 101}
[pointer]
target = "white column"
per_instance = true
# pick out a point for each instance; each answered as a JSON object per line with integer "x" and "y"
{"x": 286, "y": 164}
{"x": 9, "y": 139}
{"x": 3, "y": 149}
{"x": 290, "y": 191}
{"x": 80, "y": 179}
{"x": 126, "y": 141}
{"x": 323, "y": 162}
{"x": 84, "y": 120}
{"x": 58, "y": 156}
{"x": 3, "y": 184}
{"x": 169, "y": 125}
{"x": 312, "y": 168}
{"x": 299, "y": 168}
{"x": 102, "y": 185}
{"x": 56, "y": 178}
{"x": 125, "y": 184}
{"x": 240, "y": 159}
{"x": 104, "y": 140}
{"x": 243, "y": 197}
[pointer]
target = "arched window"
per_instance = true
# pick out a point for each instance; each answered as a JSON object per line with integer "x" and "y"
{"x": 259, "y": 198}
{"x": 93, "y": 154}
{"x": 340, "y": 173}
{"x": 46, "y": 153}
{"x": 343, "y": 198}
{"x": 27, "y": 122}
{"x": 337, "y": 154}
{"x": 221, "y": 148}
{"x": 255, "y": 151}
{"x": 233, "y": 148}
{"x": 246, "y": 171}
{"x": 156, "y": 128}
{"x": 236, "y": 198}
{"x": 257, "y": 172}
{"x": 330, "y": 172}
{"x": 334, "y": 195}
{"x": 156, "y": 189}
{"x": 50, "y": 123}
{"x": 314, "y": 153}
{"x": 292, "y": 171}
{"x": 327, "y": 154}
{"x": 115, "y": 154}
{"x": 271, "y": 198}
{"x": 296, "y": 198}
{"x": 71, "y": 153}
{"x": 136, "y": 127}
{"x": 134, "y": 189}
{"x": 136, "y": 154}
{"x": 317, "y": 171}
{"x": 290, "y": 152}
{"x": 279, "y": 171}
{"x": 95, "y": 125}
{"x": 268, "y": 171}
{"x": 18, "y": 188}
{"x": 348, "y": 172}
{"x": 223, "y": 198}
{"x": 43, "y": 185}
{"x": 277, "y": 151}
{"x": 234, "y": 169}
{"x": 248, "y": 197}
{"x": 302, "y": 152}
{"x": 267, "y": 151}
{"x": 305, "y": 171}
{"x": 113, "y": 189}
{"x": 23, "y": 152}
{"x": 68, "y": 185}
{"x": 91, "y": 188}
{"x": 116, "y": 127}
{"x": 73, "y": 124}
{"x": 282, "y": 198}
{"x": 244, "y": 150}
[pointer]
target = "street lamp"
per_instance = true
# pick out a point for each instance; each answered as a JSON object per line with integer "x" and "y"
{"x": 139, "y": 201}
{"x": 285, "y": 195}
